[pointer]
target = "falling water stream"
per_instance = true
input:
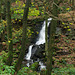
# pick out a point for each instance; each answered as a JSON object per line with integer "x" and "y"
{"x": 41, "y": 40}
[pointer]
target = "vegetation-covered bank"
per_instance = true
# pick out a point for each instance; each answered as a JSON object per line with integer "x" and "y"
{"x": 19, "y": 27}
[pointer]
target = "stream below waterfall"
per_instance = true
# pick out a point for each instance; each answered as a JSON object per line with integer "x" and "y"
{"x": 40, "y": 40}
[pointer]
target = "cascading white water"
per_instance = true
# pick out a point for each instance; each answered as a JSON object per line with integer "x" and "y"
{"x": 29, "y": 53}
{"x": 42, "y": 65}
{"x": 41, "y": 40}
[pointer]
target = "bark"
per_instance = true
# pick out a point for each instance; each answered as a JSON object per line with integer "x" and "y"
{"x": 9, "y": 33}
{"x": 46, "y": 38}
{"x": 46, "y": 28}
{"x": 4, "y": 12}
{"x": 70, "y": 1}
{"x": 51, "y": 40}
{"x": 73, "y": 4}
{"x": 24, "y": 36}
{"x": 0, "y": 9}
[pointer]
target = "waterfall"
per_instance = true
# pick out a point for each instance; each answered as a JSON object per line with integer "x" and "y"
{"x": 29, "y": 53}
{"x": 41, "y": 40}
{"x": 42, "y": 65}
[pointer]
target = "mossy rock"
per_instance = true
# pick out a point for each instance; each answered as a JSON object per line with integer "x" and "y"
{"x": 34, "y": 66}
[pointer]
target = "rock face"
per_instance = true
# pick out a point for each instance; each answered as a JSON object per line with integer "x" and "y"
{"x": 36, "y": 29}
{"x": 37, "y": 51}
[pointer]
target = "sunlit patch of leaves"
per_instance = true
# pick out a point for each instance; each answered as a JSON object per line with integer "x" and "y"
{"x": 18, "y": 10}
{"x": 2, "y": 26}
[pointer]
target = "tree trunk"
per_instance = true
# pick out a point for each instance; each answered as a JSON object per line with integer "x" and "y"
{"x": 24, "y": 36}
{"x": 73, "y": 4}
{"x": 46, "y": 28}
{"x": 0, "y": 9}
{"x": 51, "y": 40}
{"x": 4, "y": 12}
{"x": 70, "y": 1}
{"x": 9, "y": 33}
{"x": 46, "y": 38}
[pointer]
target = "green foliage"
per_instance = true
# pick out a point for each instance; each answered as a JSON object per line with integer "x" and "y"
{"x": 4, "y": 56}
{"x": 34, "y": 66}
{"x": 2, "y": 26}
{"x": 67, "y": 26}
{"x": 5, "y": 69}
{"x": 26, "y": 71}
{"x": 18, "y": 10}
{"x": 74, "y": 49}
{"x": 67, "y": 41}
{"x": 17, "y": 34}
{"x": 64, "y": 9}
{"x": 29, "y": 32}
{"x": 69, "y": 70}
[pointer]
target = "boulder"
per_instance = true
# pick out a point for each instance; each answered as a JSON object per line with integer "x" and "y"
{"x": 37, "y": 51}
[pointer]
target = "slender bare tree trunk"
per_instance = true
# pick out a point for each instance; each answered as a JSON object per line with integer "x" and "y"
{"x": 51, "y": 40}
{"x": 9, "y": 33}
{"x": 0, "y": 9}
{"x": 4, "y": 11}
{"x": 24, "y": 36}
{"x": 73, "y": 4}
{"x": 70, "y": 1}
{"x": 46, "y": 28}
{"x": 46, "y": 38}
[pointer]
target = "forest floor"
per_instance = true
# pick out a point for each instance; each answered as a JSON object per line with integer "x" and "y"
{"x": 66, "y": 51}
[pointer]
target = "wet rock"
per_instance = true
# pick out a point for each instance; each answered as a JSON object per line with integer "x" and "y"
{"x": 36, "y": 29}
{"x": 34, "y": 49}
{"x": 37, "y": 51}
{"x": 58, "y": 30}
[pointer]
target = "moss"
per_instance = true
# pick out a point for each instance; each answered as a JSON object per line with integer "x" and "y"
{"x": 34, "y": 66}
